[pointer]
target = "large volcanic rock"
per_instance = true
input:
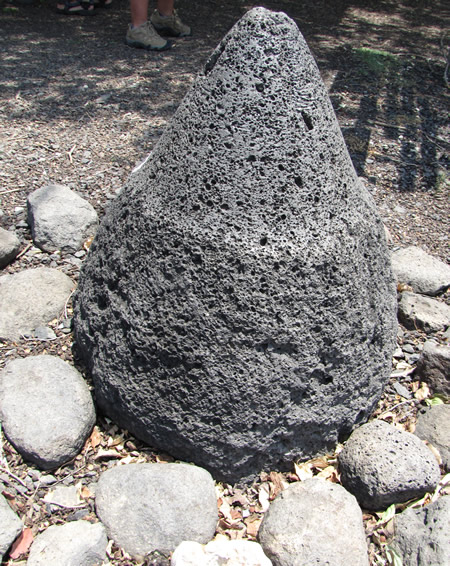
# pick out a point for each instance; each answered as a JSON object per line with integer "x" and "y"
{"x": 237, "y": 308}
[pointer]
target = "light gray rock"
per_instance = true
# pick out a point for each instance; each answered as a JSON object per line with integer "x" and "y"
{"x": 46, "y": 409}
{"x": 62, "y": 496}
{"x": 78, "y": 543}
{"x": 382, "y": 465}
{"x": 238, "y": 308}
{"x": 31, "y": 298}
{"x": 434, "y": 366}
{"x": 220, "y": 553}
{"x": 422, "y": 536}
{"x": 10, "y": 526}
{"x": 433, "y": 424}
{"x": 147, "y": 507}
{"x": 314, "y": 522}
{"x": 423, "y": 272}
{"x": 417, "y": 311}
{"x": 60, "y": 219}
{"x": 9, "y": 247}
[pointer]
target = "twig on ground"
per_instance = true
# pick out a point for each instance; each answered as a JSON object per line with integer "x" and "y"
{"x": 11, "y": 191}
{"x": 14, "y": 476}
{"x": 24, "y": 251}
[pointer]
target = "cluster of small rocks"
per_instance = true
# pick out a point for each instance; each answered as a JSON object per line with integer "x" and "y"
{"x": 47, "y": 413}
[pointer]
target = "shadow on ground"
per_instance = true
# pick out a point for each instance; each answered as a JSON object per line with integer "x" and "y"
{"x": 383, "y": 63}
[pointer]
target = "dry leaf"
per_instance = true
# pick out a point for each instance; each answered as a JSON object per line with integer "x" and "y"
{"x": 423, "y": 392}
{"x": 329, "y": 473}
{"x": 88, "y": 242}
{"x": 278, "y": 483}
{"x": 86, "y": 493}
{"x": 95, "y": 438}
{"x": 253, "y": 524}
{"x": 21, "y": 544}
{"x": 303, "y": 471}
{"x": 264, "y": 496}
{"x": 106, "y": 454}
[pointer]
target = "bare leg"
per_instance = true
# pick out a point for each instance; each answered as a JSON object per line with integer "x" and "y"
{"x": 165, "y": 7}
{"x": 139, "y": 12}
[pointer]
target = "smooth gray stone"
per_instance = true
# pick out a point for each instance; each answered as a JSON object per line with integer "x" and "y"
{"x": 434, "y": 366}
{"x": 78, "y": 543}
{"x": 382, "y": 465}
{"x": 147, "y": 507}
{"x": 417, "y": 311}
{"x": 314, "y": 522}
{"x": 9, "y": 247}
{"x": 31, "y": 298}
{"x": 237, "y": 308}
{"x": 60, "y": 219}
{"x": 46, "y": 409}
{"x": 10, "y": 526}
{"x": 220, "y": 553}
{"x": 422, "y": 535}
{"x": 433, "y": 424}
{"x": 423, "y": 272}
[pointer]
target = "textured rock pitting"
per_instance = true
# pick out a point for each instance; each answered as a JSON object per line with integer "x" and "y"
{"x": 381, "y": 465}
{"x": 237, "y": 307}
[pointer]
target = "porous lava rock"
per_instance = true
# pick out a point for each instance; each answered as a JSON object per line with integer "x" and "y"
{"x": 237, "y": 307}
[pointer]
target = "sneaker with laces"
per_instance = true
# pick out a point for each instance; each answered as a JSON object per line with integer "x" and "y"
{"x": 170, "y": 25}
{"x": 146, "y": 37}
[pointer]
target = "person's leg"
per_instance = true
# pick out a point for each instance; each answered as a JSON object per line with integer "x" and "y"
{"x": 165, "y": 7}
{"x": 139, "y": 12}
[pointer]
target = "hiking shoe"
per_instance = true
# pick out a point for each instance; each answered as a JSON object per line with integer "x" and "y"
{"x": 170, "y": 25}
{"x": 145, "y": 37}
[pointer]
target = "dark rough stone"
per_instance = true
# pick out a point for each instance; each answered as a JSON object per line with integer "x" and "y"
{"x": 382, "y": 465}
{"x": 422, "y": 535}
{"x": 433, "y": 424}
{"x": 237, "y": 307}
{"x": 434, "y": 366}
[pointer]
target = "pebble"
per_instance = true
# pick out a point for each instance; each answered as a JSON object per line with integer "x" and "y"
{"x": 314, "y": 522}
{"x": 382, "y": 465}
{"x": 147, "y": 507}
{"x": 220, "y": 553}
{"x": 10, "y": 526}
{"x": 422, "y": 535}
{"x": 46, "y": 409}
{"x": 77, "y": 543}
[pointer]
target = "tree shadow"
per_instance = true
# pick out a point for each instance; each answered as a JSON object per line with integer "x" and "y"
{"x": 380, "y": 62}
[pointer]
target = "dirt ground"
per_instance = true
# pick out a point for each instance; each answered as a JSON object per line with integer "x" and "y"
{"x": 80, "y": 108}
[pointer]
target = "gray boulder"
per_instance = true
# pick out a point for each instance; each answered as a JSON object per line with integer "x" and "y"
{"x": 9, "y": 247}
{"x": 60, "y": 219}
{"x": 314, "y": 522}
{"x": 147, "y": 507}
{"x": 434, "y": 366}
{"x": 46, "y": 409}
{"x": 237, "y": 308}
{"x": 78, "y": 543}
{"x": 382, "y": 465}
{"x": 10, "y": 526}
{"x": 220, "y": 552}
{"x": 433, "y": 424}
{"x": 417, "y": 311}
{"x": 422, "y": 535}
{"x": 31, "y": 298}
{"x": 423, "y": 272}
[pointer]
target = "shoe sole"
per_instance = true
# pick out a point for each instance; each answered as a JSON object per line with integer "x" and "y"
{"x": 139, "y": 45}
{"x": 169, "y": 31}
